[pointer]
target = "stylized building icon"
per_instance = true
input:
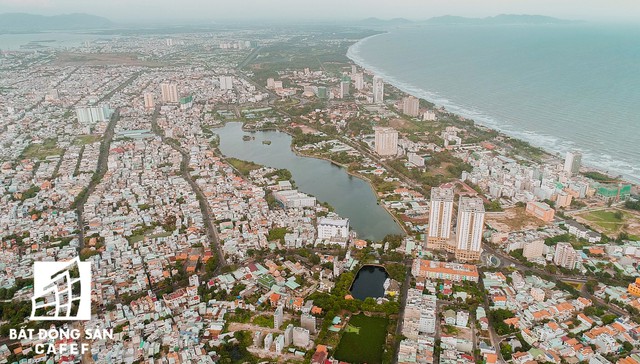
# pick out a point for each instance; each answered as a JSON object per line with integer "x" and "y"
{"x": 61, "y": 290}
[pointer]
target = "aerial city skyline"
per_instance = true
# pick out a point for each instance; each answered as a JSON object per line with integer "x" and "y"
{"x": 444, "y": 191}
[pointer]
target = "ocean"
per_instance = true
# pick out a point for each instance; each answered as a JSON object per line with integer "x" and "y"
{"x": 560, "y": 87}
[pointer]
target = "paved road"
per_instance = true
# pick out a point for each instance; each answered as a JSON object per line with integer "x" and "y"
{"x": 404, "y": 178}
{"x": 250, "y": 57}
{"x": 212, "y": 232}
{"x": 474, "y": 340}
{"x": 103, "y": 159}
{"x": 492, "y": 332}
{"x": 102, "y": 168}
{"x": 507, "y": 259}
{"x": 403, "y": 302}
{"x": 555, "y": 278}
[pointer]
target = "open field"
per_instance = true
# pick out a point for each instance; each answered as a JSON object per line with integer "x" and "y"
{"x": 103, "y": 59}
{"x": 42, "y": 150}
{"x": 402, "y": 124}
{"x": 139, "y": 237}
{"x": 366, "y": 344}
{"x": 86, "y": 139}
{"x": 513, "y": 219}
{"x": 244, "y": 167}
{"x": 612, "y": 221}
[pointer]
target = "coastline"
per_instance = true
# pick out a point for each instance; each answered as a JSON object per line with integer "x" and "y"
{"x": 457, "y": 110}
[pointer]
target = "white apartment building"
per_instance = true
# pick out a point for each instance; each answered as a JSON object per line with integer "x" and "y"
{"x": 427, "y": 321}
{"x": 93, "y": 113}
{"x": 533, "y": 249}
{"x": 440, "y": 216}
{"x": 386, "y": 141}
{"x": 169, "y": 91}
{"x": 226, "y": 82}
{"x": 411, "y": 106}
{"x": 278, "y": 316}
{"x": 344, "y": 89}
{"x": 565, "y": 256}
{"x": 300, "y": 337}
{"x": 429, "y": 115}
{"x": 358, "y": 79}
{"x": 149, "y": 102}
{"x": 572, "y": 162}
{"x": 415, "y": 159}
{"x": 294, "y": 199}
{"x": 378, "y": 90}
{"x": 329, "y": 228}
{"x": 470, "y": 228}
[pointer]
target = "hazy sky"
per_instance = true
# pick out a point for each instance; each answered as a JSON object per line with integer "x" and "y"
{"x": 128, "y": 10}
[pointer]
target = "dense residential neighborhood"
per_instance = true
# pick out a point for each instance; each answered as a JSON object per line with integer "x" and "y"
{"x": 488, "y": 250}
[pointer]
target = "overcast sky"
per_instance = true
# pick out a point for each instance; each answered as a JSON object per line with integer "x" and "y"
{"x": 128, "y": 10}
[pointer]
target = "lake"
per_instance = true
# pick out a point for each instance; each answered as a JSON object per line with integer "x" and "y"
{"x": 351, "y": 197}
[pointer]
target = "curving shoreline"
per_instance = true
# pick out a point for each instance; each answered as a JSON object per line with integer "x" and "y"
{"x": 356, "y": 175}
{"x": 346, "y": 169}
{"x": 458, "y": 110}
{"x": 399, "y": 226}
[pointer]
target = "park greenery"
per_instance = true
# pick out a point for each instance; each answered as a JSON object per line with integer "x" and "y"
{"x": 277, "y": 233}
{"x": 364, "y": 344}
{"x": 632, "y": 205}
{"x": 597, "y": 176}
{"x": 337, "y": 300}
{"x": 243, "y": 167}
{"x": 42, "y": 150}
{"x": 497, "y": 318}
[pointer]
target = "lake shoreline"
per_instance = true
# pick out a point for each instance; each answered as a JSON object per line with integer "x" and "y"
{"x": 345, "y": 167}
{"x": 346, "y": 206}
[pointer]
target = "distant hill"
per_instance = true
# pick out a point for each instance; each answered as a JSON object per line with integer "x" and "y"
{"x": 499, "y": 19}
{"x": 21, "y": 22}
{"x": 378, "y": 21}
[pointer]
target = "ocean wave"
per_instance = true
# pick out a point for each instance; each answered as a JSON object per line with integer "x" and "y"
{"x": 552, "y": 144}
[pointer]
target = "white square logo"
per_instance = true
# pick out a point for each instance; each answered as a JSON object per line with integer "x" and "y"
{"x": 61, "y": 291}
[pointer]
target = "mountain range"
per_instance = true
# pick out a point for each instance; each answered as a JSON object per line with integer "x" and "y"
{"x": 451, "y": 19}
{"x": 24, "y": 22}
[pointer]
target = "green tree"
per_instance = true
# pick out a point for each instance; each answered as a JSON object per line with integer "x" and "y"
{"x": 608, "y": 318}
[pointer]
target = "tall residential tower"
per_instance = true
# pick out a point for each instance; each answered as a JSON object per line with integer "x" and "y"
{"x": 572, "y": 162}
{"x": 378, "y": 90}
{"x": 386, "y": 141}
{"x": 470, "y": 226}
{"x": 169, "y": 92}
{"x": 440, "y": 217}
{"x": 411, "y": 106}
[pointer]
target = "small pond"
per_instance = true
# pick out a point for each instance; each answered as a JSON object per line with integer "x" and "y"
{"x": 369, "y": 282}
